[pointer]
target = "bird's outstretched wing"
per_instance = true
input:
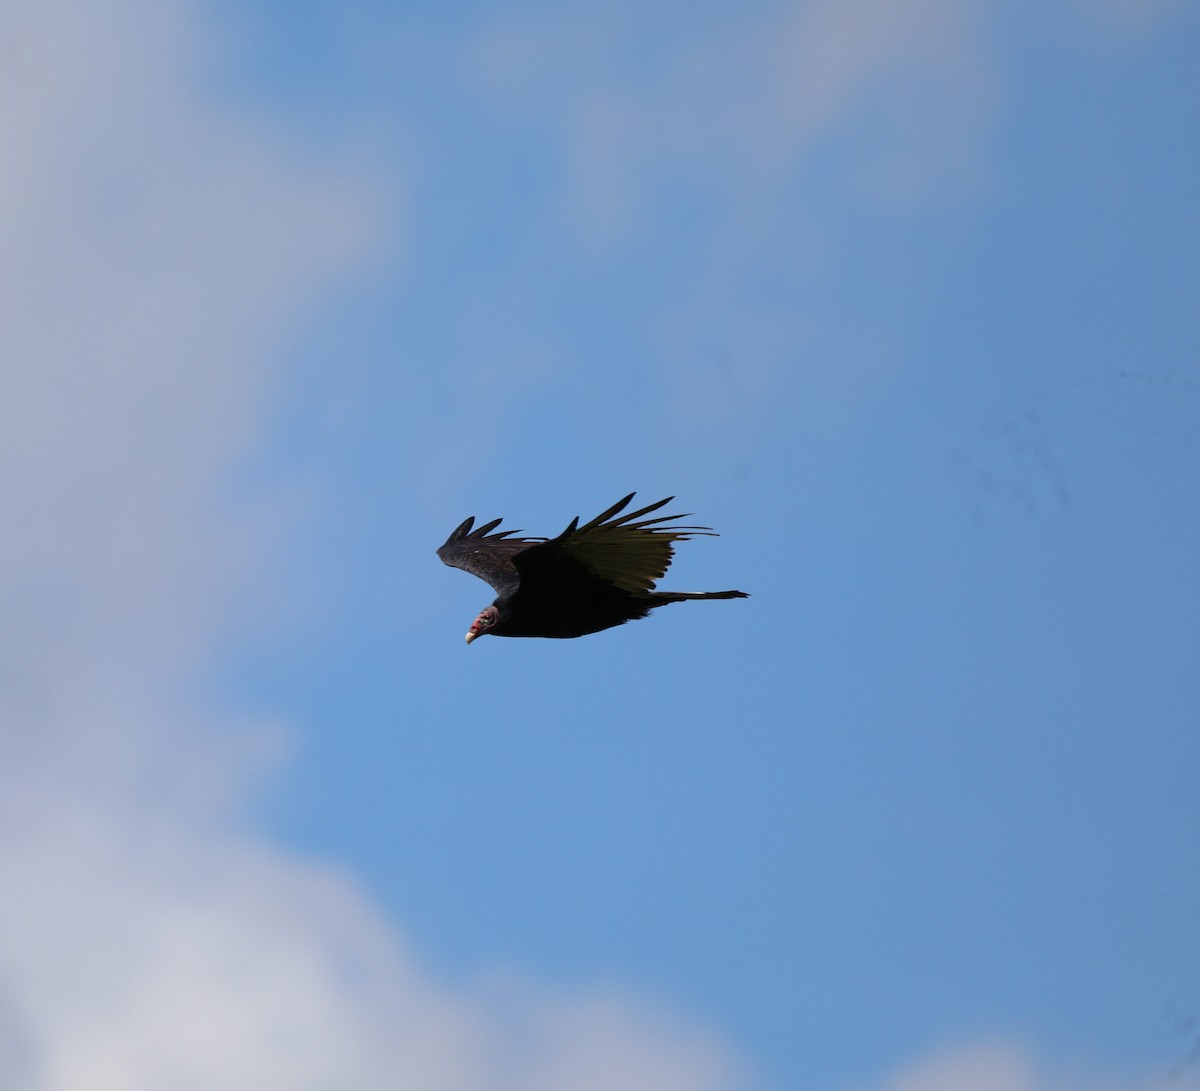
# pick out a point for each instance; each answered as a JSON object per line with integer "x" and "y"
{"x": 486, "y": 555}
{"x": 628, "y": 553}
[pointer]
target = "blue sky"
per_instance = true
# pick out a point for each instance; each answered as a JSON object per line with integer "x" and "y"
{"x": 901, "y": 298}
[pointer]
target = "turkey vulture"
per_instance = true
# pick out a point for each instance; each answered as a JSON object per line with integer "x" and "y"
{"x": 589, "y": 578}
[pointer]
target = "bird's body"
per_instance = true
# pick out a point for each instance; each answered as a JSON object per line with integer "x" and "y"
{"x": 589, "y": 578}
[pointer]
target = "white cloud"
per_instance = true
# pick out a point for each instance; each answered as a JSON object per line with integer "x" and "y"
{"x": 155, "y": 251}
{"x": 986, "y": 1067}
{"x": 139, "y": 954}
{"x": 1005, "y": 1066}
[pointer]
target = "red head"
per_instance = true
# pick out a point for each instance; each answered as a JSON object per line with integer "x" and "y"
{"x": 482, "y": 625}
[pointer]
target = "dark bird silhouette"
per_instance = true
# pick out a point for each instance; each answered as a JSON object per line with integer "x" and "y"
{"x": 589, "y": 578}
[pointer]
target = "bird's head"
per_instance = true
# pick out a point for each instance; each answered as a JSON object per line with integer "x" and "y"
{"x": 484, "y": 623}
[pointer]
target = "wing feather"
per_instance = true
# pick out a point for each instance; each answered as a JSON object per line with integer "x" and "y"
{"x": 628, "y": 552}
{"x": 485, "y": 554}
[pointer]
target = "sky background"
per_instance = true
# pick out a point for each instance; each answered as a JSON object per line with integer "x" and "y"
{"x": 902, "y": 298}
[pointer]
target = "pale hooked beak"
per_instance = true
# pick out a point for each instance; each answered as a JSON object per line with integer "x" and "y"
{"x": 471, "y": 636}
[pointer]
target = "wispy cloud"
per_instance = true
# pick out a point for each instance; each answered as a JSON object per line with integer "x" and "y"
{"x": 743, "y": 153}
{"x": 740, "y": 101}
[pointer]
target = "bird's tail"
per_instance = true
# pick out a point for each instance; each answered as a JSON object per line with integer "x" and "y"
{"x": 663, "y": 597}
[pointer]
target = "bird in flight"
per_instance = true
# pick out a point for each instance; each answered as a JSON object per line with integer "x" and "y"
{"x": 589, "y": 578}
